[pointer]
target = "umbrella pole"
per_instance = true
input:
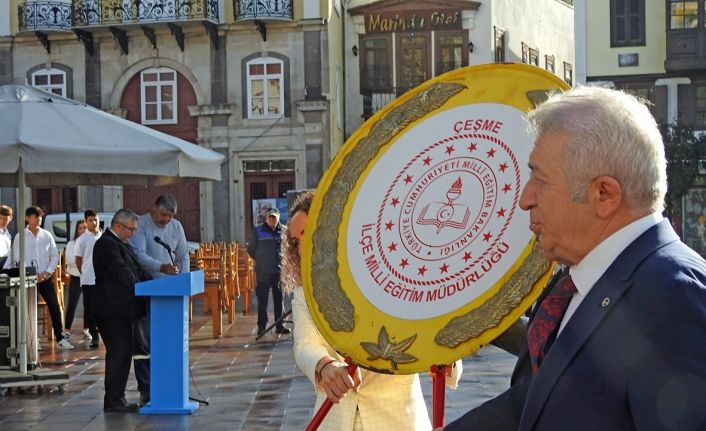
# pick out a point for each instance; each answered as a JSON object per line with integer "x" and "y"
{"x": 67, "y": 203}
{"x": 22, "y": 311}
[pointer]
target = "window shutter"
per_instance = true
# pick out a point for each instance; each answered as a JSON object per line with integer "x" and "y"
{"x": 686, "y": 104}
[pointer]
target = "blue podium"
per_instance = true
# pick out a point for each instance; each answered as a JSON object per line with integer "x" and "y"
{"x": 169, "y": 350}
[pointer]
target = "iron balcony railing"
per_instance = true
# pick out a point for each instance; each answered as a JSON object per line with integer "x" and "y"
{"x": 264, "y": 10}
{"x": 375, "y": 99}
{"x": 44, "y": 15}
{"x": 109, "y": 12}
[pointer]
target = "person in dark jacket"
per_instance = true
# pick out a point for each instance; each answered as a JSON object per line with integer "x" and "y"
{"x": 115, "y": 306}
{"x": 618, "y": 344}
{"x": 264, "y": 247}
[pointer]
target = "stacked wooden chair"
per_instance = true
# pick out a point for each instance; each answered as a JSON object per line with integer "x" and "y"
{"x": 246, "y": 276}
{"x": 232, "y": 280}
{"x": 212, "y": 260}
{"x": 229, "y": 274}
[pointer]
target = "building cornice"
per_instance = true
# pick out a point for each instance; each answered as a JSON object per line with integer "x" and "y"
{"x": 407, "y": 5}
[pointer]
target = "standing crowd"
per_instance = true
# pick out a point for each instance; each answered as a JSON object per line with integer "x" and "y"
{"x": 104, "y": 267}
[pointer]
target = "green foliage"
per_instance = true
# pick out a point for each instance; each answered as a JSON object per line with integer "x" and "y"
{"x": 683, "y": 150}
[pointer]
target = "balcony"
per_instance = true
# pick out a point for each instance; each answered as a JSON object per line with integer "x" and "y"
{"x": 113, "y": 12}
{"x": 685, "y": 50}
{"x": 263, "y": 10}
{"x": 44, "y": 16}
{"x": 376, "y": 99}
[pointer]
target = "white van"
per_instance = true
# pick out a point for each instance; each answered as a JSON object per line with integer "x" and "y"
{"x": 56, "y": 225}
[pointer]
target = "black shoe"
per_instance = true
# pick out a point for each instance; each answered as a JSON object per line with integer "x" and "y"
{"x": 260, "y": 332}
{"x": 144, "y": 398}
{"x": 121, "y": 408}
{"x": 282, "y": 330}
{"x": 93, "y": 345}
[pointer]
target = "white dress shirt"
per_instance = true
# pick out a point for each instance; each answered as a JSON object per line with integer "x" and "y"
{"x": 84, "y": 250}
{"x": 5, "y": 241}
{"x": 70, "y": 253}
{"x": 40, "y": 251}
{"x": 592, "y": 267}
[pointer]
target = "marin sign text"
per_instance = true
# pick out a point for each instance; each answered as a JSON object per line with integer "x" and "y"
{"x": 413, "y": 21}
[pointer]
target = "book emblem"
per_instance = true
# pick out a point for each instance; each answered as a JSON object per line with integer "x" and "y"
{"x": 447, "y": 214}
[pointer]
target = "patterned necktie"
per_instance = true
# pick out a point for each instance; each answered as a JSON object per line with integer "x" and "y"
{"x": 547, "y": 320}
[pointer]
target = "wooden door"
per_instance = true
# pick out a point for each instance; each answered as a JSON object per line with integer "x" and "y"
{"x": 413, "y": 62}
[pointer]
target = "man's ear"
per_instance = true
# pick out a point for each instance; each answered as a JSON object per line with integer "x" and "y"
{"x": 606, "y": 195}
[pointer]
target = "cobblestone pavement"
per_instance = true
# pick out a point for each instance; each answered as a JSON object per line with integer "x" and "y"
{"x": 249, "y": 385}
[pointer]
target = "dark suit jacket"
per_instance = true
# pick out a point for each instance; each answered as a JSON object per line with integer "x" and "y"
{"x": 117, "y": 271}
{"x": 503, "y": 412}
{"x": 632, "y": 357}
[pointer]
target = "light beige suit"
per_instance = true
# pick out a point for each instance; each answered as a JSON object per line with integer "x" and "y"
{"x": 384, "y": 401}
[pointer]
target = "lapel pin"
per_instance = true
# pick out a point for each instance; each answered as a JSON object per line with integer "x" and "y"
{"x": 606, "y": 302}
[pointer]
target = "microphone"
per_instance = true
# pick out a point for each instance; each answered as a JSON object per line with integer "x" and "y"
{"x": 159, "y": 241}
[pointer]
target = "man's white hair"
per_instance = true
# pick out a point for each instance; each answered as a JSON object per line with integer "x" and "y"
{"x": 610, "y": 133}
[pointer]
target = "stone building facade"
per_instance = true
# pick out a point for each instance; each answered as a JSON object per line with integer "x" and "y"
{"x": 250, "y": 79}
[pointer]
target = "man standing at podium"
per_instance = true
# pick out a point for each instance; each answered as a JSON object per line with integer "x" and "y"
{"x": 115, "y": 306}
{"x": 169, "y": 255}
{"x": 160, "y": 245}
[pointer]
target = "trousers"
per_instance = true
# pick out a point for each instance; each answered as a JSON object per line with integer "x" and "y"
{"x": 46, "y": 289}
{"x": 265, "y": 283}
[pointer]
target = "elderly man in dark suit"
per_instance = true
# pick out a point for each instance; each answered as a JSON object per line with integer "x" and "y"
{"x": 619, "y": 343}
{"x": 115, "y": 305}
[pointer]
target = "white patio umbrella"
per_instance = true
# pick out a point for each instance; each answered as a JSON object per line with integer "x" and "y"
{"x": 48, "y": 140}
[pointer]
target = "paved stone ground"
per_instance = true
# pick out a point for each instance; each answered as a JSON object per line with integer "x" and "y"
{"x": 249, "y": 385}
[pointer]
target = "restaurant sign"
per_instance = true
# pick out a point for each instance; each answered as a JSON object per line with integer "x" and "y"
{"x": 419, "y": 20}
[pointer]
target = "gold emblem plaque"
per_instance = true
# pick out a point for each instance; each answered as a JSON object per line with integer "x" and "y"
{"x": 416, "y": 252}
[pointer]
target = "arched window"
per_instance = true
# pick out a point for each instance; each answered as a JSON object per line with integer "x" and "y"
{"x": 265, "y": 88}
{"x": 158, "y": 96}
{"x": 52, "y": 80}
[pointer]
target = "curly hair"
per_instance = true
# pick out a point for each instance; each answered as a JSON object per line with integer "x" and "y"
{"x": 291, "y": 260}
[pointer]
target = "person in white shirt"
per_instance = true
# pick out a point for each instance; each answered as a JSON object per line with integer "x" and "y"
{"x": 367, "y": 400}
{"x": 74, "y": 279}
{"x": 84, "y": 262}
{"x": 5, "y": 238}
{"x": 41, "y": 253}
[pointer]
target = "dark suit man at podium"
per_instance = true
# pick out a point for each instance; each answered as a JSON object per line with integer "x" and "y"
{"x": 115, "y": 305}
